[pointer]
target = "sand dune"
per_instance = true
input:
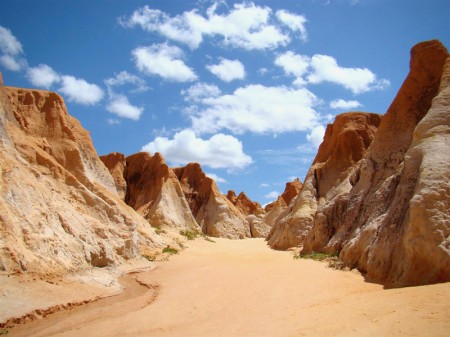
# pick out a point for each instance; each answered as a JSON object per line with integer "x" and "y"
{"x": 242, "y": 288}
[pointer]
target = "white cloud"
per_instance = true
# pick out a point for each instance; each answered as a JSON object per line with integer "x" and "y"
{"x": 11, "y": 51}
{"x": 219, "y": 151}
{"x": 80, "y": 91}
{"x": 262, "y": 71}
{"x": 8, "y": 42}
{"x": 120, "y": 106}
{"x": 293, "y": 64}
{"x": 199, "y": 91}
{"x": 264, "y": 185}
{"x": 163, "y": 60}
{"x": 216, "y": 178}
{"x": 42, "y": 76}
{"x": 124, "y": 78}
{"x": 315, "y": 137}
{"x": 228, "y": 70}
{"x": 342, "y": 104}
{"x": 246, "y": 26}
{"x": 358, "y": 80}
{"x": 272, "y": 195}
{"x": 294, "y": 22}
{"x": 112, "y": 121}
{"x": 257, "y": 109}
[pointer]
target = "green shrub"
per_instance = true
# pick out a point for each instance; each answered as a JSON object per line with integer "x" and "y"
{"x": 190, "y": 235}
{"x": 4, "y": 331}
{"x": 170, "y": 250}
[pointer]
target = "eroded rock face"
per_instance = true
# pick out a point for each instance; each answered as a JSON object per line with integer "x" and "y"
{"x": 59, "y": 209}
{"x": 216, "y": 215}
{"x": 401, "y": 236}
{"x": 388, "y": 214}
{"x": 345, "y": 141}
{"x": 116, "y": 163}
{"x": 154, "y": 191}
{"x": 244, "y": 204}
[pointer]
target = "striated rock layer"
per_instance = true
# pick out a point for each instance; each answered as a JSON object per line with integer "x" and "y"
{"x": 388, "y": 214}
{"x": 59, "y": 209}
{"x": 216, "y": 215}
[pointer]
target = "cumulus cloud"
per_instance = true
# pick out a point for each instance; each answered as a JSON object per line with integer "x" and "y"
{"x": 340, "y": 104}
{"x": 163, "y": 60}
{"x": 294, "y": 22}
{"x": 257, "y": 109}
{"x": 219, "y": 151}
{"x": 228, "y": 70}
{"x": 79, "y": 91}
{"x": 11, "y": 51}
{"x": 123, "y": 78}
{"x": 216, "y": 178}
{"x": 200, "y": 91}
{"x": 42, "y": 76}
{"x": 357, "y": 80}
{"x": 272, "y": 195}
{"x": 315, "y": 137}
{"x": 245, "y": 25}
{"x": 120, "y": 106}
{"x": 293, "y": 64}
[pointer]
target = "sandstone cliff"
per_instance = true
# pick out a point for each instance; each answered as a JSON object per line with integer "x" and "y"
{"x": 388, "y": 213}
{"x": 152, "y": 189}
{"x": 345, "y": 141}
{"x": 216, "y": 215}
{"x": 59, "y": 209}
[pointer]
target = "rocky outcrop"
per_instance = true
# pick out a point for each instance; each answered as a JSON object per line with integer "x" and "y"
{"x": 345, "y": 141}
{"x": 154, "y": 191}
{"x": 291, "y": 190}
{"x": 216, "y": 215}
{"x": 59, "y": 209}
{"x": 116, "y": 163}
{"x": 243, "y": 203}
{"x": 388, "y": 214}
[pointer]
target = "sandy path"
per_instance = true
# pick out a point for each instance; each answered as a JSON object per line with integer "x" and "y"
{"x": 242, "y": 288}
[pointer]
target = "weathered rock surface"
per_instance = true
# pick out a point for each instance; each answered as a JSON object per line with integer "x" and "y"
{"x": 345, "y": 141}
{"x": 244, "y": 204}
{"x": 388, "y": 214}
{"x": 59, "y": 209}
{"x": 116, "y": 163}
{"x": 153, "y": 190}
{"x": 216, "y": 215}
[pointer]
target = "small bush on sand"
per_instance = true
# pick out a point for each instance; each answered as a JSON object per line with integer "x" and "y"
{"x": 170, "y": 250}
{"x": 333, "y": 259}
{"x": 190, "y": 235}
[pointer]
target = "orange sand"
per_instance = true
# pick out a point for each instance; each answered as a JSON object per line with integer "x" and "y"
{"x": 242, "y": 288}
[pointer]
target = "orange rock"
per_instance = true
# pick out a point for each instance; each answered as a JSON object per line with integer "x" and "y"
{"x": 116, "y": 163}
{"x": 216, "y": 215}
{"x": 243, "y": 203}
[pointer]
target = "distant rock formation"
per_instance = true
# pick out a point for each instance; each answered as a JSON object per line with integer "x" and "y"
{"x": 243, "y": 203}
{"x": 59, "y": 209}
{"x": 291, "y": 190}
{"x": 385, "y": 209}
{"x": 216, "y": 215}
{"x": 152, "y": 189}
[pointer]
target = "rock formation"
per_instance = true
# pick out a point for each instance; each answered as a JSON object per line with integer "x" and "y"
{"x": 291, "y": 190}
{"x": 152, "y": 189}
{"x": 59, "y": 209}
{"x": 345, "y": 141}
{"x": 215, "y": 214}
{"x": 388, "y": 213}
{"x": 243, "y": 203}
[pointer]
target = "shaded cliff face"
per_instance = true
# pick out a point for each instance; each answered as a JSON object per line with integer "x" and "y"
{"x": 153, "y": 190}
{"x": 116, "y": 163}
{"x": 216, "y": 215}
{"x": 388, "y": 214}
{"x": 59, "y": 208}
{"x": 345, "y": 141}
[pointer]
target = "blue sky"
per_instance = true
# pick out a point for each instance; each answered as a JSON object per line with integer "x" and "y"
{"x": 244, "y": 88}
